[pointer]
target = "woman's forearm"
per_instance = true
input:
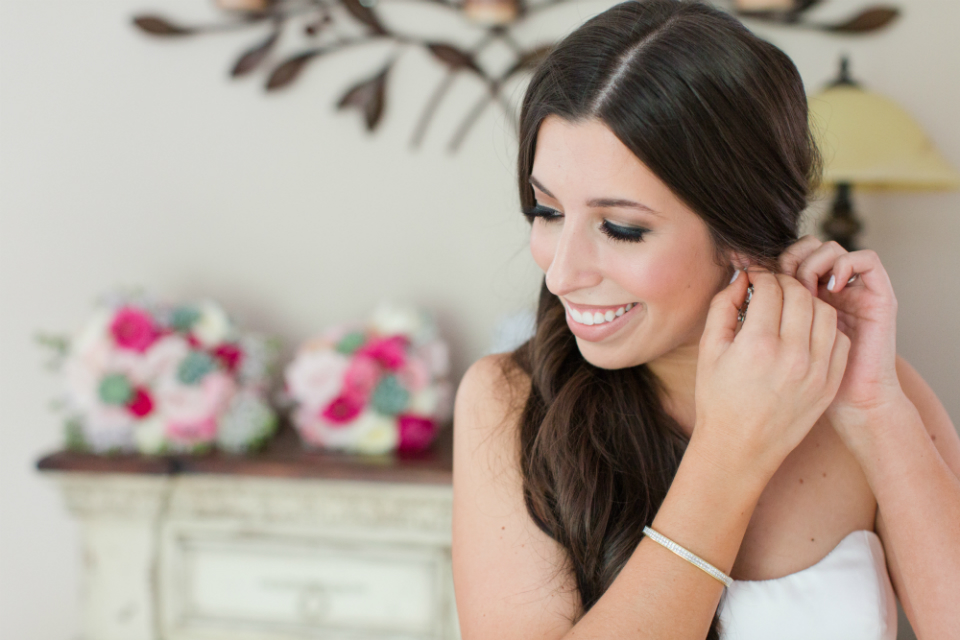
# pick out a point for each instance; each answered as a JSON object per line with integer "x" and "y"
{"x": 660, "y": 595}
{"x": 918, "y": 499}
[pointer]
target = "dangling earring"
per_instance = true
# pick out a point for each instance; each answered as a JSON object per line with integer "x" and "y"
{"x": 746, "y": 303}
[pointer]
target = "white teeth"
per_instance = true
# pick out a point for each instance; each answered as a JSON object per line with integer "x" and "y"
{"x": 590, "y": 319}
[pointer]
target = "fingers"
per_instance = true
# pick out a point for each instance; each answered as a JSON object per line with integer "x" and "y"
{"x": 797, "y": 318}
{"x": 838, "y": 362}
{"x": 823, "y": 333}
{"x": 818, "y": 264}
{"x": 867, "y": 265}
{"x": 766, "y": 306}
{"x": 721, "y": 326}
{"x": 796, "y": 253}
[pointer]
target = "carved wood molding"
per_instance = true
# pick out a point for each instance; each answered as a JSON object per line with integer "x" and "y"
{"x": 340, "y": 504}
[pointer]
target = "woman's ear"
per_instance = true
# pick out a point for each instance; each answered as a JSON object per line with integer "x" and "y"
{"x": 739, "y": 260}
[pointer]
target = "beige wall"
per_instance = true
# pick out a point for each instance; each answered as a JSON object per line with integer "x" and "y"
{"x": 129, "y": 161}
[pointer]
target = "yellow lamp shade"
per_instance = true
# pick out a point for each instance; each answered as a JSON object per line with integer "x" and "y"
{"x": 870, "y": 142}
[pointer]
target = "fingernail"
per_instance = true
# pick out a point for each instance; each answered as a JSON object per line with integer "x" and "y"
{"x": 832, "y": 281}
{"x": 736, "y": 274}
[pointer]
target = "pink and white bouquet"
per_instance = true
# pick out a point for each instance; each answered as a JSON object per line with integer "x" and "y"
{"x": 372, "y": 387}
{"x": 157, "y": 378}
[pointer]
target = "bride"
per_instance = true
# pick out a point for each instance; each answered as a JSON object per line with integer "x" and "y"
{"x": 710, "y": 433}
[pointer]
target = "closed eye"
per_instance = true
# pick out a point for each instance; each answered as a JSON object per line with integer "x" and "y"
{"x": 625, "y": 234}
{"x": 612, "y": 231}
{"x": 540, "y": 211}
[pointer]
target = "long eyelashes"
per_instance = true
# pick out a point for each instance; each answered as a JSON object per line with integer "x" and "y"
{"x": 612, "y": 231}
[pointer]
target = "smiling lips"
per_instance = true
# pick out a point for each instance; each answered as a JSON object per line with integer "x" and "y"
{"x": 596, "y": 315}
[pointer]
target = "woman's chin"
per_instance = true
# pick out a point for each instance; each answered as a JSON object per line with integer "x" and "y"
{"x": 609, "y": 357}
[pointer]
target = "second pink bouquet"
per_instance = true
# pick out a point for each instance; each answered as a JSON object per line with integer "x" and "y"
{"x": 372, "y": 387}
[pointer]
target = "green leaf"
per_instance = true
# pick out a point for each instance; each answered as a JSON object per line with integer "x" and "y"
{"x": 195, "y": 366}
{"x": 115, "y": 389}
{"x": 389, "y": 398}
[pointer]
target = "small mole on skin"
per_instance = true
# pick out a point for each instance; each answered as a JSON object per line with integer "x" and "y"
{"x": 818, "y": 444}
{"x": 502, "y": 528}
{"x": 801, "y": 480}
{"x": 811, "y": 539}
{"x": 824, "y": 475}
{"x": 933, "y": 437}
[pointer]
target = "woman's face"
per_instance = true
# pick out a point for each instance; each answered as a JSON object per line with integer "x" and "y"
{"x": 610, "y": 234}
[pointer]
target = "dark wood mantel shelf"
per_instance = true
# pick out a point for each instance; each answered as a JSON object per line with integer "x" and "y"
{"x": 284, "y": 457}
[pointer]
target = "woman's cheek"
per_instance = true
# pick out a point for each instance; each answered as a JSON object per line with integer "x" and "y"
{"x": 655, "y": 279}
{"x": 542, "y": 246}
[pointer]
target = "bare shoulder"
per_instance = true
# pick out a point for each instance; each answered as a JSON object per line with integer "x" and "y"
{"x": 932, "y": 412}
{"x": 492, "y": 392}
{"x": 510, "y": 578}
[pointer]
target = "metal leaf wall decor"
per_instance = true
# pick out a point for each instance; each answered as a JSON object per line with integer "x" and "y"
{"x": 324, "y": 26}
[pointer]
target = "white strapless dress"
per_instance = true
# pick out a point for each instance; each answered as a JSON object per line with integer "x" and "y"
{"x": 845, "y": 596}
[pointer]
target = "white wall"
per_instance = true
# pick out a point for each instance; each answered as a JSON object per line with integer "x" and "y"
{"x": 126, "y": 160}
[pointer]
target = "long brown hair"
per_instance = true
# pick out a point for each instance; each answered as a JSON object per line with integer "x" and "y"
{"x": 720, "y": 116}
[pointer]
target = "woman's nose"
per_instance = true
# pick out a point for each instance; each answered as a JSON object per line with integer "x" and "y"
{"x": 574, "y": 265}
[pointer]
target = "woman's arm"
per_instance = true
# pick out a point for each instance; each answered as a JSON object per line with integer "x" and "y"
{"x": 512, "y": 581}
{"x": 897, "y": 429}
{"x": 759, "y": 392}
{"x": 911, "y": 457}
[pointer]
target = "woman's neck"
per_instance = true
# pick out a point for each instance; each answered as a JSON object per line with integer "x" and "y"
{"x": 677, "y": 372}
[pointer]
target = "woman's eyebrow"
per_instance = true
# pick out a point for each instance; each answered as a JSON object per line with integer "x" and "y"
{"x": 618, "y": 202}
{"x": 601, "y": 202}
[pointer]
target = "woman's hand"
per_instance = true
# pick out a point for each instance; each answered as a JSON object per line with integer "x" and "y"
{"x": 866, "y": 313}
{"x": 759, "y": 390}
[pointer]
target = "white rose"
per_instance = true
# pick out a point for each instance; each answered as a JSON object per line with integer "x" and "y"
{"x": 213, "y": 326}
{"x": 150, "y": 435}
{"x": 94, "y": 332}
{"x": 315, "y": 377}
{"x": 380, "y": 436}
{"x": 371, "y": 433}
{"x": 107, "y": 427}
{"x": 391, "y": 318}
{"x": 165, "y": 355}
{"x": 425, "y": 402}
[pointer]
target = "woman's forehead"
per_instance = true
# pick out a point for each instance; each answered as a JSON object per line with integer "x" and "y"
{"x": 584, "y": 160}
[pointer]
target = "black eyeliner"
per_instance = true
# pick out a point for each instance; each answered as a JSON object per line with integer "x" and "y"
{"x": 612, "y": 231}
{"x": 627, "y": 234}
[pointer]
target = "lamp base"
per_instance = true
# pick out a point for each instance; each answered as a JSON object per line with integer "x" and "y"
{"x": 842, "y": 224}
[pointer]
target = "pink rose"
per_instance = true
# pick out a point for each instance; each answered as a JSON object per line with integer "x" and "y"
{"x": 193, "y": 432}
{"x": 230, "y": 356}
{"x": 315, "y": 377}
{"x": 133, "y": 329}
{"x": 310, "y": 426}
{"x": 195, "y": 404}
{"x": 415, "y": 375}
{"x": 140, "y": 403}
{"x": 361, "y": 377}
{"x": 437, "y": 356}
{"x": 416, "y": 432}
{"x": 343, "y": 409}
{"x": 390, "y": 352}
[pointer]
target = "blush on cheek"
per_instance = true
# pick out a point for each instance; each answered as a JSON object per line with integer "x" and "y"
{"x": 659, "y": 279}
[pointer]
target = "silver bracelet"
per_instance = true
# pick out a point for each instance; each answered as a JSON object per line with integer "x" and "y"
{"x": 693, "y": 559}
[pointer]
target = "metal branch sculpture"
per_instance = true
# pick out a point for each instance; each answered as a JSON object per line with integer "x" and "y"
{"x": 324, "y": 20}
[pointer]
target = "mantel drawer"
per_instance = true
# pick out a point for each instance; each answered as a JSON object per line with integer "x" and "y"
{"x": 259, "y": 586}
